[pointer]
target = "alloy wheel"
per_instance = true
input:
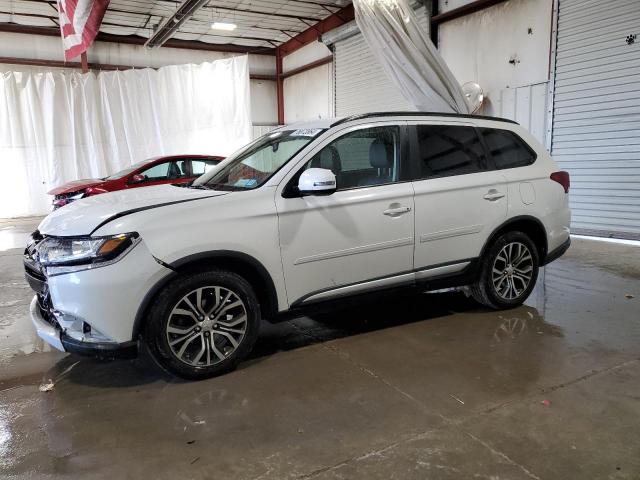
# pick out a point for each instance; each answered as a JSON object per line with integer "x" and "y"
{"x": 512, "y": 270}
{"x": 206, "y": 326}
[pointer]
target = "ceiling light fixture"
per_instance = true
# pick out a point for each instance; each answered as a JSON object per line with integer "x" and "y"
{"x": 171, "y": 25}
{"x": 223, "y": 26}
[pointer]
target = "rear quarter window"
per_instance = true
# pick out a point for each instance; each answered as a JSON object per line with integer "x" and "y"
{"x": 507, "y": 149}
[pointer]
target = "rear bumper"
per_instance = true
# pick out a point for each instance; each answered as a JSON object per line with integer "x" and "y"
{"x": 54, "y": 336}
{"x": 557, "y": 252}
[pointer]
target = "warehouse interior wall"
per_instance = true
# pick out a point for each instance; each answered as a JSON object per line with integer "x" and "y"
{"x": 40, "y": 47}
{"x": 505, "y": 49}
{"x": 308, "y": 95}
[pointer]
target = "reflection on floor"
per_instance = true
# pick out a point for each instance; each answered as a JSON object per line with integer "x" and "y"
{"x": 430, "y": 386}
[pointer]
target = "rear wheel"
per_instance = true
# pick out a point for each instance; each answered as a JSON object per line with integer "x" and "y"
{"x": 203, "y": 324}
{"x": 509, "y": 271}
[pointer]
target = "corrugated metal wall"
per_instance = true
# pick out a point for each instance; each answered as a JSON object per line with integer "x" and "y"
{"x": 361, "y": 85}
{"x": 596, "y": 117}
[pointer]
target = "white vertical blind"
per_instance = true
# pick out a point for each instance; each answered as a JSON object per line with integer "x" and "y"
{"x": 61, "y": 126}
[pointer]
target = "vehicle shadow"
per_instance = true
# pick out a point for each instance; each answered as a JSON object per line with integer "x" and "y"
{"x": 385, "y": 312}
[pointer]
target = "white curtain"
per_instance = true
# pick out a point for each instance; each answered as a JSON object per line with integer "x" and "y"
{"x": 61, "y": 126}
{"x": 408, "y": 56}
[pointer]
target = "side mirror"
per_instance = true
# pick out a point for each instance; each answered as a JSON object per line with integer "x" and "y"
{"x": 317, "y": 181}
{"x": 138, "y": 178}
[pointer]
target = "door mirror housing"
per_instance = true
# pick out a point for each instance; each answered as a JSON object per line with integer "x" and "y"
{"x": 317, "y": 181}
{"x": 138, "y": 178}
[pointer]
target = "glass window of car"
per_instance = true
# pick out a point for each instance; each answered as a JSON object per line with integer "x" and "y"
{"x": 171, "y": 170}
{"x": 200, "y": 167}
{"x": 365, "y": 157}
{"x": 157, "y": 172}
{"x": 253, "y": 165}
{"x": 446, "y": 150}
{"x": 127, "y": 171}
{"x": 507, "y": 149}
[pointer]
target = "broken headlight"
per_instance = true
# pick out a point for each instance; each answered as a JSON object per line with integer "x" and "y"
{"x": 71, "y": 254}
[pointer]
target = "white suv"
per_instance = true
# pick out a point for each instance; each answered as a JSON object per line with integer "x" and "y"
{"x": 305, "y": 215}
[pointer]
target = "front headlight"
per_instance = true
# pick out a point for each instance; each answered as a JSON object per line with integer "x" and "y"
{"x": 71, "y": 254}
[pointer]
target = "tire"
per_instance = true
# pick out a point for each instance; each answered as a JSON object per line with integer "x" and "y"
{"x": 203, "y": 324}
{"x": 505, "y": 287}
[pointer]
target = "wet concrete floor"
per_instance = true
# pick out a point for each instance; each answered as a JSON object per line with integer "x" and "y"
{"x": 425, "y": 387}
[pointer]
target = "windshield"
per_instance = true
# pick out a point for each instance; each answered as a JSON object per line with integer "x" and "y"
{"x": 127, "y": 171}
{"x": 253, "y": 165}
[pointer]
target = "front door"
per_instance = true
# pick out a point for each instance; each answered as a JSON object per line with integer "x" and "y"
{"x": 360, "y": 237}
{"x": 459, "y": 199}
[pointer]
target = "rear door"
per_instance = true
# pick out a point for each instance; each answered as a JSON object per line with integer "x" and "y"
{"x": 459, "y": 198}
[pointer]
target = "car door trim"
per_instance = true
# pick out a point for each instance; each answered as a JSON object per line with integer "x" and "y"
{"x": 410, "y": 277}
{"x": 400, "y": 242}
{"x": 431, "y": 272}
{"x": 453, "y": 232}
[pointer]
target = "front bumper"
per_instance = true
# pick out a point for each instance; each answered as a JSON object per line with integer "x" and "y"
{"x": 92, "y": 312}
{"x": 49, "y": 331}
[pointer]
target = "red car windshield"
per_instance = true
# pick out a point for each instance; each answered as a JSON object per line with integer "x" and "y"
{"x": 126, "y": 171}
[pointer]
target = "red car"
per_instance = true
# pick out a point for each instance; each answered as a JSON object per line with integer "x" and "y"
{"x": 175, "y": 169}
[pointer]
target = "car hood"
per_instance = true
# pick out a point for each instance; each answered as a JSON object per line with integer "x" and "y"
{"x": 84, "y": 216}
{"x": 76, "y": 185}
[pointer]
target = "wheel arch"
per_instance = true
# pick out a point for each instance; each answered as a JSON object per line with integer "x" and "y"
{"x": 241, "y": 263}
{"x": 525, "y": 224}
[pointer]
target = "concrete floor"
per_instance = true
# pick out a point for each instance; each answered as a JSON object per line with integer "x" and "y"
{"x": 423, "y": 387}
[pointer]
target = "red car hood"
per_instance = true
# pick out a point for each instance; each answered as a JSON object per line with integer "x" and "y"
{"x": 76, "y": 185}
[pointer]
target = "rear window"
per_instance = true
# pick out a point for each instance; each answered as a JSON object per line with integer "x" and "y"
{"x": 507, "y": 149}
{"x": 446, "y": 150}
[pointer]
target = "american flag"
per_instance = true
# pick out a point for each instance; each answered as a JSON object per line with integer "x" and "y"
{"x": 79, "y": 24}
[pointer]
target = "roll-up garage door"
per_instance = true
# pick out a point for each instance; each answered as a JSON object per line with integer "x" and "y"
{"x": 596, "y": 118}
{"x": 361, "y": 85}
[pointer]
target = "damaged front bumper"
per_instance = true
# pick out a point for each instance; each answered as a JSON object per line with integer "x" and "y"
{"x": 49, "y": 330}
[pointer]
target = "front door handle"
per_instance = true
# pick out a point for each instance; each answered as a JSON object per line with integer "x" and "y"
{"x": 396, "y": 210}
{"x": 493, "y": 194}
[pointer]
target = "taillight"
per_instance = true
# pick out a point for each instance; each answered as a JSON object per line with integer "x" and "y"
{"x": 562, "y": 178}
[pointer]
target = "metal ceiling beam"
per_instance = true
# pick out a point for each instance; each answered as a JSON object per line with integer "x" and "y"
{"x": 263, "y": 12}
{"x": 174, "y": 22}
{"x": 137, "y": 40}
{"x": 313, "y": 33}
{"x": 308, "y": 66}
{"x": 35, "y": 62}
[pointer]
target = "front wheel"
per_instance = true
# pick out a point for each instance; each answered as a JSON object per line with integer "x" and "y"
{"x": 509, "y": 270}
{"x": 203, "y": 324}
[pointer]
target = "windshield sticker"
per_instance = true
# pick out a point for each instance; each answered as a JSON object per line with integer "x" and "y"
{"x": 245, "y": 182}
{"x": 306, "y": 132}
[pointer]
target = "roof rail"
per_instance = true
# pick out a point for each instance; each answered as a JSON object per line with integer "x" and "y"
{"x": 419, "y": 114}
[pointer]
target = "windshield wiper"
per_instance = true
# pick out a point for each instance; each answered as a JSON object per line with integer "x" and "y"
{"x": 199, "y": 187}
{"x": 225, "y": 187}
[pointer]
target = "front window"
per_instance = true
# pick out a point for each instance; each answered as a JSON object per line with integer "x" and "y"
{"x": 362, "y": 158}
{"x": 127, "y": 171}
{"x": 254, "y": 165}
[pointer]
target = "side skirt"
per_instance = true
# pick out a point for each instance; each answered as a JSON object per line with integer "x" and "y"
{"x": 465, "y": 277}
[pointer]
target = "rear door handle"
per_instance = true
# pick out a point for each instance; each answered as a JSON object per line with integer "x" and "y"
{"x": 493, "y": 194}
{"x": 396, "y": 211}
